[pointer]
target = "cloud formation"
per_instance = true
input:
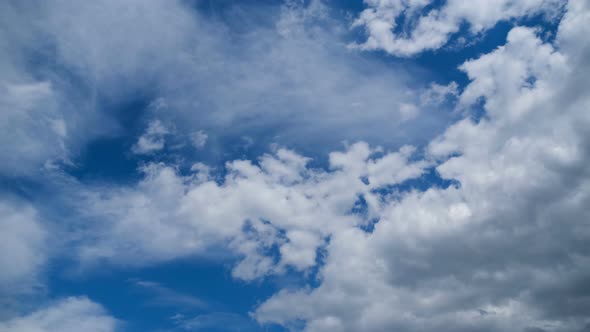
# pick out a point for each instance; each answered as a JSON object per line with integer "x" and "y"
{"x": 495, "y": 241}
{"x": 152, "y": 140}
{"x": 276, "y": 203}
{"x": 425, "y": 28}
{"x": 68, "y": 315}
{"x": 504, "y": 251}
{"x": 284, "y": 78}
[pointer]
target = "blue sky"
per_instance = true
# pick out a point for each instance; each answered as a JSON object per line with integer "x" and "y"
{"x": 320, "y": 165}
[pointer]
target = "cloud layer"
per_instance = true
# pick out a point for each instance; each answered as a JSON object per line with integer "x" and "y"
{"x": 277, "y": 203}
{"x": 496, "y": 239}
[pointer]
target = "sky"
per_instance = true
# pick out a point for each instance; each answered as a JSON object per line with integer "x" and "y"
{"x": 296, "y": 165}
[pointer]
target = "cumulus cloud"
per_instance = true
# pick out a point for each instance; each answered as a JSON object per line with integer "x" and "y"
{"x": 277, "y": 202}
{"x": 152, "y": 140}
{"x": 199, "y": 139}
{"x": 67, "y": 315}
{"x": 429, "y": 29}
{"x": 505, "y": 250}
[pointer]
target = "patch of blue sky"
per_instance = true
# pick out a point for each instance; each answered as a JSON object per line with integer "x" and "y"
{"x": 153, "y": 298}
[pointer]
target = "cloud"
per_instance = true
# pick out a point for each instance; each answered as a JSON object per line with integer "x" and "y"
{"x": 277, "y": 202}
{"x": 438, "y": 94}
{"x": 56, "y": 80}
{"x": 164, "y": 296}
{"x": 503, "y": 248}
{"x": 508, "y": 241}
{"x": 430, "y": 29}
{"x": 23, "y": 247}
{"x": 294, "y": 83}
{"x": 67, "y": 315}
{"x": 281, "y": 75}
{"x": 45, "y": 115}
{"x": 152, "y": 140}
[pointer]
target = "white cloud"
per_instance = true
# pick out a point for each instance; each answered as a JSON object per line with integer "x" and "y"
{"x": 44, "y": 116}
{"x": 437, "y": 94}
{"x": 433, "y": 29}
{"x": 152, "y": 140}
{"x": 168, "y": 215}
{"x": 505, "y": 250}
{"x": 29, "y": 120}
{"x": 408, "y": 111}
{"x": 68, "y": 315}
{"x": 199, "y": 139}
{"x": 22, "y": 247}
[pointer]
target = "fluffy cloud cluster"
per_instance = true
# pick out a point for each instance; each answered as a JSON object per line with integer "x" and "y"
{"x": 152, "y": 140}
{"x": 504, "y": 251}
{"x": 68, "y": 315}
{"x": 278, "y": 203}
{"x": 425, "y": 28}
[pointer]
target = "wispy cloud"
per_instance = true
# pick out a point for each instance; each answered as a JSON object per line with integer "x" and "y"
{"x": 222, "y": 321}
{"x": 164, "y": 296}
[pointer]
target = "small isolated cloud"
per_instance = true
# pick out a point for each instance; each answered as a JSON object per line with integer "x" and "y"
{"x": 408, "y": 111}
{"x": 152, "y": 140}
{"x": 199, "y": 139}
{"x": 247, "y": 142}
{"x": 164, "y": 296}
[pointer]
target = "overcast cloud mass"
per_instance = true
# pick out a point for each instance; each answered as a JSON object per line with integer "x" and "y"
{"x": 392, "y": 165}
